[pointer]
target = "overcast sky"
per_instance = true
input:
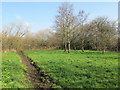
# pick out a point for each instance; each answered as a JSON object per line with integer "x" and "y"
{"x": 41, "y": 15}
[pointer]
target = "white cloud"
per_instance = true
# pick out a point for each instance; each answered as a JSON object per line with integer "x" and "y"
{"x": 27, "y": 24}
{"x": 18, "y": 17}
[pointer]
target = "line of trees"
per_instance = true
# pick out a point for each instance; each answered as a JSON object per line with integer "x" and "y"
{"x": 74, "y": 32}
{"x": 17, "y": 36}
{"x": 70, "y": 32}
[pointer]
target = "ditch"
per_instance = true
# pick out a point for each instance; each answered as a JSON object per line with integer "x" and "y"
{"x": 38, "y": 78}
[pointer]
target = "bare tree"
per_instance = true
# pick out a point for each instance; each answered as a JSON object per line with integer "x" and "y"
{"x": 82, "y": 17}
{"x": 64, "y": 22}
{"x": 103, "y": 33}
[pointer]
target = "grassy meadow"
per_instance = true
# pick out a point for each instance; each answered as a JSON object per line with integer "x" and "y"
{"x": 13, "y": 72}
{"x": 89, "y": 69}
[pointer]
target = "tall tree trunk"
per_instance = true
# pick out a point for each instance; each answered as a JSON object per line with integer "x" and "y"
{"x": 68, "y": 46}
{"x": 65, "y": 47}
{"x": 68, "y": 40}
{"x": 82, "y": 46}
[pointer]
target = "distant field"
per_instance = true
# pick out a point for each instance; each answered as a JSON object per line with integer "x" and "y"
{"x": 13, "y": 75}
{"x": 90, "y": 69}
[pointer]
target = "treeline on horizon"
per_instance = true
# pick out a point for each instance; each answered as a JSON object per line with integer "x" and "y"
{"x": 70, "y": 31}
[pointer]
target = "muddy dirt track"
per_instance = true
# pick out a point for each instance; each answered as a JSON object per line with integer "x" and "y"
{"x": 37, "y": 78}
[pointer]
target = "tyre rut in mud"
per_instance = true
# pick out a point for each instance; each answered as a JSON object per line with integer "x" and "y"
{"x": 38, "y": 78}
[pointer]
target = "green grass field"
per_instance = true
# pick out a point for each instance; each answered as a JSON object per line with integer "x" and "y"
{"x": 90, "y": 69}
{"x": 13, "y": 75}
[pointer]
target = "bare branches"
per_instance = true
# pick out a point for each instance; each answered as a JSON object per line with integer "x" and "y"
{"x": 13, "y": 34}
